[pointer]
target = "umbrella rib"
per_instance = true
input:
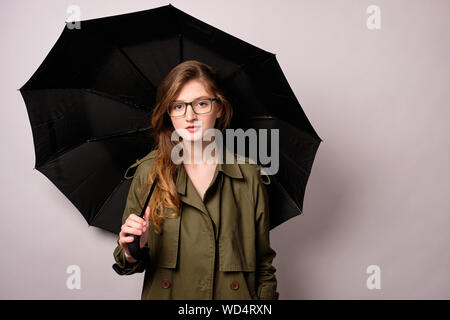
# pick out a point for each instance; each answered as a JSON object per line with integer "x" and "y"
{"x": 290, "y": 202}
{"x": 127, "y": 57}
{"x": 118, "y": 134}
{"x": 180, "y": 34}
{"x": 80, "y": 184}
{"x": 180, "y": 43}
{"x": 293, "y": 162}
{"x": 93, "y": 91}
{"x": 244, "y": 65}
{"x": 63, "y": 151}
{"x": 112, "y": 97}
{"x": 135, "y": 66}
{"x": 103, "y": 204}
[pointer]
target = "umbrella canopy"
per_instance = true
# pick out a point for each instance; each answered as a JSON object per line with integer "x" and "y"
{"x": 89, "y": 105}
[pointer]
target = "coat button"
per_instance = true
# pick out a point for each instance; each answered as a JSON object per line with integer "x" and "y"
{"x": 234, "y": 285}
{"x": 165, "y": 284}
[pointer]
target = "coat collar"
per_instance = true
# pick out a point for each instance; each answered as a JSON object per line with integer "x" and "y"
{"x": 230, "y": 169}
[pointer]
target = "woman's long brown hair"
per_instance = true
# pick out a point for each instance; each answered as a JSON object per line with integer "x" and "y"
{"x": 165, "y": 193}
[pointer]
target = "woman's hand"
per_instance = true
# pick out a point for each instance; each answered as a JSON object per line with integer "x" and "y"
{"x": 134, "y": 225}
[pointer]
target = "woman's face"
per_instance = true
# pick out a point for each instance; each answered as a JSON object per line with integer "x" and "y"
{"x": 192, "y": 90}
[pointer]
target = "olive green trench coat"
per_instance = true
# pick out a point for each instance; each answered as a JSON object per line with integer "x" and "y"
{"x": 217, "y": 248}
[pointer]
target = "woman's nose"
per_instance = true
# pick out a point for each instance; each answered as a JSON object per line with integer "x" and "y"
{"x": 190, "y": 114}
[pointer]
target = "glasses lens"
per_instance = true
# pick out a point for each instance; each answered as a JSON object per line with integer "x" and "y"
{"x": 176, "y": 109}
{"x": 202, "y": 106}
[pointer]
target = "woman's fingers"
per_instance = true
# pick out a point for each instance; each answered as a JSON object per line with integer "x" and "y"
{"x": 134, "y": 224}
{"x": 128, "y": 239}
{"x": 133, "y": 217}
{"x": 129, "y": 230}
{"x": 144, "y": 237}
{"x": 125, "y": 238}
{"x": 147, "y": 214}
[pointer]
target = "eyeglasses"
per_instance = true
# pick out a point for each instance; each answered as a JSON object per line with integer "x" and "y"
{"x": 199, "y": 106}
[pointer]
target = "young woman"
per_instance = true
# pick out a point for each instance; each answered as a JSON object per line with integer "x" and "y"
{"x": 206, "y": 227}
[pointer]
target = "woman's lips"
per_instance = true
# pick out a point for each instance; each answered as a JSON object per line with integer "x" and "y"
{"x": 192, "y": 128}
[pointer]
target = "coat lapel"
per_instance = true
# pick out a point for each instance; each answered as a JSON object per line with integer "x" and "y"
{"x": 186, "y": 188}
{"x": 187, "y": 192}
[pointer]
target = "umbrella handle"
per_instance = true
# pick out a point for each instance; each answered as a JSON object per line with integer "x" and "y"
{"x": 134, "y": 247}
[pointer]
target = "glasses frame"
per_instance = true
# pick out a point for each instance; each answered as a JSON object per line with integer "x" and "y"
{"x": 186, "y": 104}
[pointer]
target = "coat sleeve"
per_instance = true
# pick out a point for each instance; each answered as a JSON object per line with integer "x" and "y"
{"x": 122, "y": 266}
{"x": 266, "y": 282}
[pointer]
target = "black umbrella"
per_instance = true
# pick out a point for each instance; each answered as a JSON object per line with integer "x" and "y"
{"x": 89, "y": 105}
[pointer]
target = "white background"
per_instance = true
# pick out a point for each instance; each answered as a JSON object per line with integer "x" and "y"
{"x": 378, "y": 193}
